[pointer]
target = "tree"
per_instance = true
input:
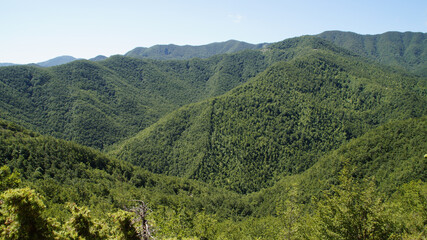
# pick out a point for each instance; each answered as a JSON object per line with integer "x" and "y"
{"x": 81, "y": 225}
{"x": 22, "y": 210}
{"x": 353, "y": 211}
{"x": 204, "y": 225}
{"x": 290, "y": 212}
{"x": 8, "y": 179}
{"x": 125, "y": 224}
{"x": 140, "y": 223}
{"x": 408, "y": 206}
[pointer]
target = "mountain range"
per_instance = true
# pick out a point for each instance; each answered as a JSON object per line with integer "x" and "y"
{"x": 163, "y": 52}
{"x": 228, "y": 140}
{"x": 404, "y": 50}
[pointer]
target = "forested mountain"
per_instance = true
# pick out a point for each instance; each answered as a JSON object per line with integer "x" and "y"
{"x": 99, "y": 103}
{"x": 404, "y": 50}
{"x": 279, "y": 122}
{"x": 57, "y": 61}
{"x": 172, "y": 51}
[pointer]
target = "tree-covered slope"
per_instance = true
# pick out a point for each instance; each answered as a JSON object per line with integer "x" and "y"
{"x": 404, "y": 50}
{"x": 171, "y": 51}
{"x": 64, "y": 172}
{"x": 279, "y": 122}
{"x": 81, "y": 101}
{"x": 391, "y": 154}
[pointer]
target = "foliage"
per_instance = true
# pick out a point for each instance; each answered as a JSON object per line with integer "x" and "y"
{"x": 352, "y": 211}
{"x": 82, "y": 226}
{"x": 67, "y": 172}
{"x": 391, "y": 155}
{"x": 408, "y": 208}
{"x": 22, "y": 210}
{"x": 8, "y": 179}
{"x": 124, "y": 220}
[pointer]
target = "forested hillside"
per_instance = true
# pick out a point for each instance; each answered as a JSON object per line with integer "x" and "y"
{"x": 99, "y": 103}
{"x": 68, "y": 172}
{"x": 392, "y": 155}
{"x": 403, "y": 50}
{"x": 278, "y": 123}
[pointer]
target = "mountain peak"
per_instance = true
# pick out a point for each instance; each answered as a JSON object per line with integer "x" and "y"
{"x": 57, "y": 61}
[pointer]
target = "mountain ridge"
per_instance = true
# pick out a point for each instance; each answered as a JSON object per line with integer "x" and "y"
{"x": 183, "y": 52}
{"x": 407, "y": 50}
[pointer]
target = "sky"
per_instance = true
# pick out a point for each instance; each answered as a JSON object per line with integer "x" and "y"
{"x": 33, "y": 31}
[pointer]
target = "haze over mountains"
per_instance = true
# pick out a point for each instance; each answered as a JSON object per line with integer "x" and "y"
{"x": 225, "y": 139}
{"x": 164, "y": 52}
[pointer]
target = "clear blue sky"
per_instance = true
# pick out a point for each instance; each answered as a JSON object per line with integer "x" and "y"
{"x": 37, "y": 30}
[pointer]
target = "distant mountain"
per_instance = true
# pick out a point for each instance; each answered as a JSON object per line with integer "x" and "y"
{"x": 172, "y": 51}
{"x": 6, "y": 64}
{"x": 57, "y": 61}
{"x": 98, "y": 58}
{"x": 406, "y": 50}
